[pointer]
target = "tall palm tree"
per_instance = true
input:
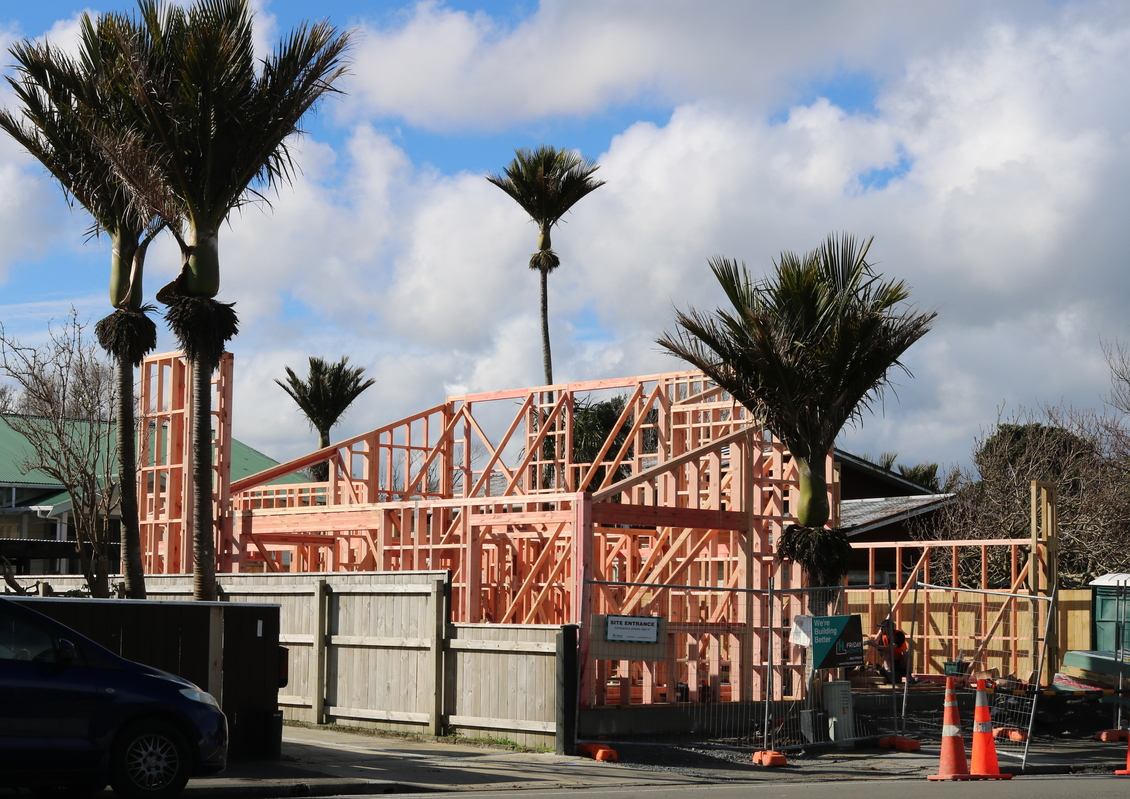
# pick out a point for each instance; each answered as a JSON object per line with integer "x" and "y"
{"x": 807, "y": 349}
{"x": 324, "y": 396}
{"x": 212, "y": 130}
{"x": 56, "y": 95}
{"x": 547, "y": 182}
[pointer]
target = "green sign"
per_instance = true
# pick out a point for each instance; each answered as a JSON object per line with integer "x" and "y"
{"x": 837, "y": 642}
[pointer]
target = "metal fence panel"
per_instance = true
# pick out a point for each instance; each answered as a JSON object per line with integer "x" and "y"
{"x": 722, "y": 667}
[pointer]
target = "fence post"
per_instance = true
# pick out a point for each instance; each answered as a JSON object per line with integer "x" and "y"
{"x": 439, "y": 616}
{"x": 318, "y": 656}
{"x": 565, "y": 693}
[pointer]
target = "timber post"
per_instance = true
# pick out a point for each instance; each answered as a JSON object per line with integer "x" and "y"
{"x": 318, "y": 655}
{"x": 439, "y": 613}
{"x": 565, "y": 694}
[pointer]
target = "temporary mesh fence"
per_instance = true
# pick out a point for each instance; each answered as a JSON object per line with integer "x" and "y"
{"x": 969, "y": 634}
{"x": 814, "y": 706}
{"x": 719, "y": 664}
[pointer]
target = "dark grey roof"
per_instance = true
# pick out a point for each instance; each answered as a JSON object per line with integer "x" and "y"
{"x": 878, "y": 472}
{"x": 862, "y": 515}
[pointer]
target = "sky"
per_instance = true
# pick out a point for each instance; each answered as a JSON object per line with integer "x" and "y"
{"x": 984, "y": 145}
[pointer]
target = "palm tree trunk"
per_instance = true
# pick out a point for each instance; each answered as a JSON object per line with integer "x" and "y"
{"x": 127, "y": 483}
{"x": 203, "y": 537}
{"x": 321, "y": 471}
{"x": 547, "y": 358}
{"x": 812, "y": 506}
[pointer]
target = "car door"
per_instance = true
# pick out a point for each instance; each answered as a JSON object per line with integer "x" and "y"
{"x": 48, "y": 707}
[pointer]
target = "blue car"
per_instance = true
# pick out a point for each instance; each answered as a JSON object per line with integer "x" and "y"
{"x": 74, "y": 715}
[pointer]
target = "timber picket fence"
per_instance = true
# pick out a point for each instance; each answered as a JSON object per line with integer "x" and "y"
{"x": 376, "y": 649}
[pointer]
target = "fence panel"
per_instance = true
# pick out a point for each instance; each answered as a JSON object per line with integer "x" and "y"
{"x": 363, "y": 650}
{"x": 501, "y": 682}
{"x": 720, "y": 665}
{"x": 993, "y": 635}
{"x": 817, "y": 706}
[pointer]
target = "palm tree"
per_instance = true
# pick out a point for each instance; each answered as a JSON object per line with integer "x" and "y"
{"x": 324, "y": 396}
{"x": 212, "y": 130}
{"x": 547, "y": 182}
{"x": 593, "y": 424}
{"x": 807, "y": 349}
{"x": 56, "y": 94}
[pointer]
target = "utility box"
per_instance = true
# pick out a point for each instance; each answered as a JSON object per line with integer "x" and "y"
{"x": 837, "y": 704}
{"x": 1110, "y": 608}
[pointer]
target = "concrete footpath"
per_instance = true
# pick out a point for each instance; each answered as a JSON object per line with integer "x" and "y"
{"x": 325, "y": 761}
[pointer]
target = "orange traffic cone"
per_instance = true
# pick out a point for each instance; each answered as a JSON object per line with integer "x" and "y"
{"x": 953, "y": 765}
{"x": 1125, "y": 771}
{"x": 984, "y": 764}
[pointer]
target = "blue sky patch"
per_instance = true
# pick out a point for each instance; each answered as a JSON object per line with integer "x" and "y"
{"x": 483, "y": 152}
{"x": 877, "y": 179}
{"x": 587, "y": 327}
{"x": 854, "y": 92}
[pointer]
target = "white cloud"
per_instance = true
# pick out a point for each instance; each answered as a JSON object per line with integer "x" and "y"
{"x": 443, "y": 68}
{"x": 65, "y": 34}
{"x": 1007, "y": 139}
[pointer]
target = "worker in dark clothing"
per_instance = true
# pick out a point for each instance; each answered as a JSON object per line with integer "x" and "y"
{"x": 893, "y": 647}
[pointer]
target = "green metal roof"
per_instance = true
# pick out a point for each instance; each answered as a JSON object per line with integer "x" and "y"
{"x": 58, "y": 501}
{"x": 15, "y": 449}
{"x": 246, "y": 461}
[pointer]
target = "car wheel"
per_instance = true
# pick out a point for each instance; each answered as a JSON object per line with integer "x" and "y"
{"x": 150, "y": 760}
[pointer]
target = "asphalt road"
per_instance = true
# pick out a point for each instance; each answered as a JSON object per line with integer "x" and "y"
{"x": 1059, "y": 787}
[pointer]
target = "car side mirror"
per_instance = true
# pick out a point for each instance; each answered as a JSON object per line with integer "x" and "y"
{"x": 64, "y": 652}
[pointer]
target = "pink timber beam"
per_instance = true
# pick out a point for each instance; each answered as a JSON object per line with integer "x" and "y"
{"x": 319, "y": 455}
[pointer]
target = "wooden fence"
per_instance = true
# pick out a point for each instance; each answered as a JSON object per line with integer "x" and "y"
{"x": 376, "y": 649}
{"x": 949, "y": 622}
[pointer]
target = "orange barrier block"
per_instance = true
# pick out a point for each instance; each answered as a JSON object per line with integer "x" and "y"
{"x": 952, "y": 765}
{"x": 1113, "y": 735}
{"x": 904, "y": 744}
{"x": 984, "y": 765}
{"x": 1011, "y": 733}
{"x": 887, "y": 742}
{"x": 598, "y": 752}
{"x": 767, "y": 757}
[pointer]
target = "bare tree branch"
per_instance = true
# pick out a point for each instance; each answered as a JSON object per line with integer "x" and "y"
{"x": 64, "y": 407}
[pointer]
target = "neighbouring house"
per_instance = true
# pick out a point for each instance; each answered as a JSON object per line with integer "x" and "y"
{"x": 36, "y": 535}
{"x": 878, "y": 504}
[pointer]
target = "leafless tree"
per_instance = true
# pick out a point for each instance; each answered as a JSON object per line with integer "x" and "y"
{"x": 1085, "y": 453}
{"x": 64, "y": 406}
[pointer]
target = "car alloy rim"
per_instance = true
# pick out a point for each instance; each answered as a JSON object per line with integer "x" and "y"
{"x": 151, "y": 761}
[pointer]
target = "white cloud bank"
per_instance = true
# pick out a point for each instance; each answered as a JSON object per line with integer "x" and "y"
{"x": 1007, "y": 142}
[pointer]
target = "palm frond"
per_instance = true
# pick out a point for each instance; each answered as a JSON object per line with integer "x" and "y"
{"x": 547, "y": 182}
{"x": 327, "y": 391}
{"x": 809, "y": 348}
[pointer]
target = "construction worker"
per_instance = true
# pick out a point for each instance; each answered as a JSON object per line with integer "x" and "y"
{"x": 892, "y": 645}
